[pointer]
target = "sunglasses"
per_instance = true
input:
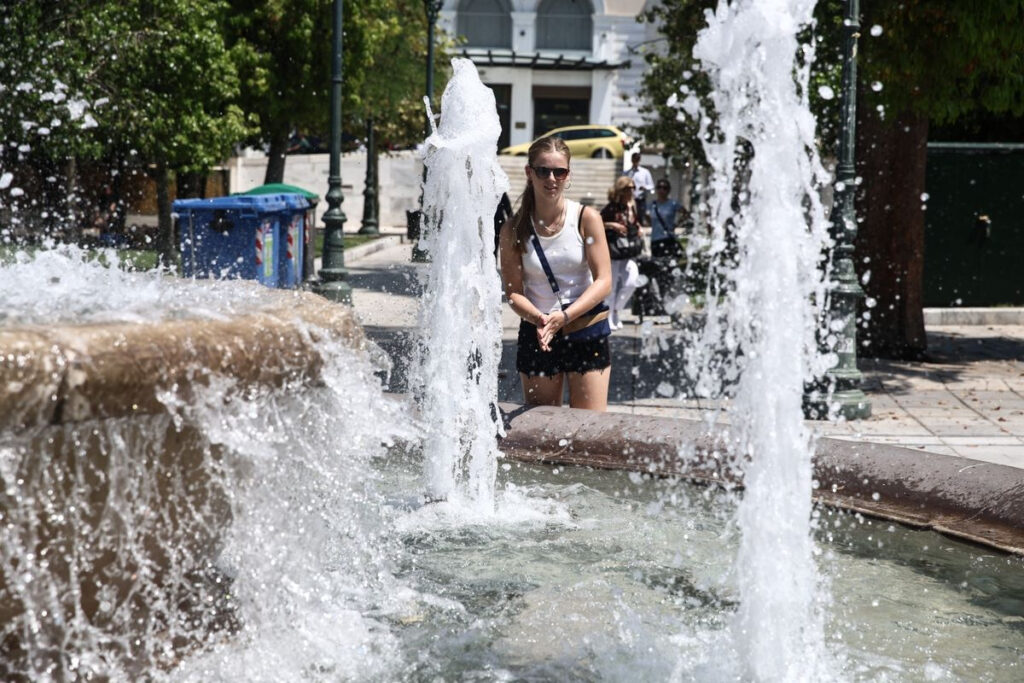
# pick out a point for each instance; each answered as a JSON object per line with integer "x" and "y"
{"x": 545, "y": 172}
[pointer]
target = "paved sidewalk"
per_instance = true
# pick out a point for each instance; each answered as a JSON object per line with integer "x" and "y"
{"x": 967, "y": 400}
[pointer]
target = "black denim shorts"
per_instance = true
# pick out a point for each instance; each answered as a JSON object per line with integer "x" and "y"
{"x": 565, "y": 355}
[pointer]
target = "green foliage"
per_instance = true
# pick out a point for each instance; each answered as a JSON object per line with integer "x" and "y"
{"x": 45, "y": 91}
{"x": 674, "y": 81}
{"x": 284, "y": 50}
{"x": 172, "y": 82}
{"x": 150, "y": 80}
{"x": 945, "y": 60}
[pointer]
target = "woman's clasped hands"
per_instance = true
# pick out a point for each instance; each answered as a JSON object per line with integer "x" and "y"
{"x": 550, "y": 324}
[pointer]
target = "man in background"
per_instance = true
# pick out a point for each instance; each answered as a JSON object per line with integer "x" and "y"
{"x": 644, "y": 182}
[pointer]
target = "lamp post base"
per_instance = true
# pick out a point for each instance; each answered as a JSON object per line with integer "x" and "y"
{"x": 333, "y": 289}
{"x": 852, "y": 404}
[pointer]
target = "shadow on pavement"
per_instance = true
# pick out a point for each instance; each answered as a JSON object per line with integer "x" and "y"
{"x": 397, "y": 280}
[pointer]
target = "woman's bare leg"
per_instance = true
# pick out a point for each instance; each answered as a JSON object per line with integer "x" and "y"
{"x": 589, "y": 389}
{"x": 542, "y": 391}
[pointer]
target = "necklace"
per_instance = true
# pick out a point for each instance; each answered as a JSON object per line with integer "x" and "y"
{"x": 550, "y": 230}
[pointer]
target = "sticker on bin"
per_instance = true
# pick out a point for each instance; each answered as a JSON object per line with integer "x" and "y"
{"x": 265, "y": 248}
{"x": 292, "y": 254}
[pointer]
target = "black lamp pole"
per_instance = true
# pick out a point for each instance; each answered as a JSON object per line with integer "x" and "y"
{"x": 333, "y": 273}
{"x": 416, "y": 220}
{"x": 844, "y": 378}
{"x": 370, "y": 224}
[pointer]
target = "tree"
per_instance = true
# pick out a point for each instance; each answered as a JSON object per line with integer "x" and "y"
{"x": 936, "y": 63}
{"x": 285, "y": 51}
{"x": 152, "y": 83}
{"x": 925, "y": 62}
{"x": 46, "y": 114}
{"x": 173, "y": 87}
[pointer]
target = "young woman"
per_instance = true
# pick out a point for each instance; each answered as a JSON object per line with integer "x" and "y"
{"x": 622, "y": 225}
{"x": 572, "y": 239}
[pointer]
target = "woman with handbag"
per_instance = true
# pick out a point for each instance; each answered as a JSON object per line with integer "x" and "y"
{"x": 622, "y": 230}
{"x": 556, "y": 274}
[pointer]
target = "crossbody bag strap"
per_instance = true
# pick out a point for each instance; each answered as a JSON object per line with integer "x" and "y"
{"x": 660, "y": 219}
{"x": 547, "y": 268}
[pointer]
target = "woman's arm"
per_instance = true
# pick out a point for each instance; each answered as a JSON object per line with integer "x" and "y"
{"x": 511, "y": 260}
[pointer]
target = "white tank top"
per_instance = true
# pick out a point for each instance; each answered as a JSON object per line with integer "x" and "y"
{"x": 565, "y": 255}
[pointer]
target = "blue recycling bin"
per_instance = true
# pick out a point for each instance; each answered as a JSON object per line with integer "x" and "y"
{"x": 295, "y": 196}
{"x": 232, "y": 237}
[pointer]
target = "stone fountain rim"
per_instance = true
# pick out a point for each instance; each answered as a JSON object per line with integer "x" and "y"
{"x": 975, "y": 501}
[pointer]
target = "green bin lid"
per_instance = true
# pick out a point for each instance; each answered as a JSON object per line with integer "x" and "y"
{"x": 281, "y": 188}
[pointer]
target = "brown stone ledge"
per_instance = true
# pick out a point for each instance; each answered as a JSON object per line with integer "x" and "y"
{"x": 976, "y": 501}
{"x": 70, "y": 373}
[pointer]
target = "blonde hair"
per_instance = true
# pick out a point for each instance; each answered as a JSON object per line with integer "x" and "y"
{"x": 521, "y": 225}
{"x": 617, "y": 190}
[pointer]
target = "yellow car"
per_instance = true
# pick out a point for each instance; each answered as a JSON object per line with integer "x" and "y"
{"x": 603, "y": 142}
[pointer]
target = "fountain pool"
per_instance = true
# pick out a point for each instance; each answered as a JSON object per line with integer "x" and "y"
{"x": 271, "y": 532}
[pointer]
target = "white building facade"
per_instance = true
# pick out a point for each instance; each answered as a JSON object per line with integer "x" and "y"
{"x": 554, "y": 63}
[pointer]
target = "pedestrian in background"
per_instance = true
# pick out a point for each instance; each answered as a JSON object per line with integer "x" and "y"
{"x": 622, "y": 231}
{"x": 644, "y": 182}
{"x": 556, "y": 274}
{"x": 663, "y": 223}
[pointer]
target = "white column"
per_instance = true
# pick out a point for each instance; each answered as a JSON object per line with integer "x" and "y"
{"x": 524, "y": 32}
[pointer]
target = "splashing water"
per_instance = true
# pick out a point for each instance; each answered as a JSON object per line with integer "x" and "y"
{"x": 461, "y": 315}
{"x": 763, "y": 300}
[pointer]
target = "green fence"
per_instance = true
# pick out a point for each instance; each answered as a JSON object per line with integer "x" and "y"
{"x": 974, "y": 225}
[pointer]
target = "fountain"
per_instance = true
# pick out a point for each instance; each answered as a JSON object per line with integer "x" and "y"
{"x": 460, "y": 318}
{"x": 204, "y": 481}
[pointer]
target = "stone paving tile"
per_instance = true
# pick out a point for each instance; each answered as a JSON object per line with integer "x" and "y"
{"x": 929, "y": 398}
{"x": 961, "y": 429}
{"x": 1008, "y": 440}
{"x": 891, "y": 427}
{"x": 901, "y": 439}
{"x": 958, "y": 412}
{"x": 1000, "y": 455}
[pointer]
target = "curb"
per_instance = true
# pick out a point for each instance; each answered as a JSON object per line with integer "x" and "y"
{"x": 935, "y": 317}
{"x": 363, "y": 250}
{"x": 975, "y": 501}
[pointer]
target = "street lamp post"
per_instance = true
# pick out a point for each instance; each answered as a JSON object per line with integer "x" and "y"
{"x": 370, "y": 224}
{"x": 333, "y": 274}
{"x": 844, "y": 378}
{"x": 416, "y": 219}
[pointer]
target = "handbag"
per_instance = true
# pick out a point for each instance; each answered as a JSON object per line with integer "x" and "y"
{"x": 621, "y": 247}
{"x": 591, "y": 325}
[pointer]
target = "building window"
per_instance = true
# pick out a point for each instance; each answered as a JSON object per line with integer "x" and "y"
{"x": 565, "y": 25}
{"x": 485, "y": 23}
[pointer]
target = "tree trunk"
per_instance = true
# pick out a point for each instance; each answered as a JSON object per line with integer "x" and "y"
{"x": 191, "y": 185}
{"x": 891, "y": 158}
{"x": 276, "y": 157}
{"x": 165, "y": 240}
{"x": 73, "y": 200}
